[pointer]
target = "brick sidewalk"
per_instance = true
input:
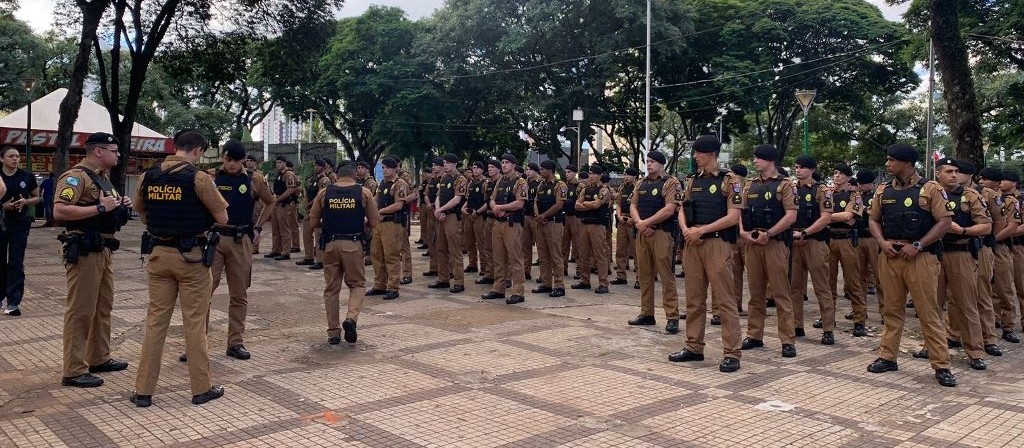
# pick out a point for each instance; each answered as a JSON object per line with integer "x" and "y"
{"x": 435, "y": 369}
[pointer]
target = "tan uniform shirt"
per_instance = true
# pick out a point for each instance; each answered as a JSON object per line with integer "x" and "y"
{"x": 205, "y": 189}
{"x": 932, "y": 198}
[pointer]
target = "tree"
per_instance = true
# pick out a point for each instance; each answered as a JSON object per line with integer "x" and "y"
{"x": 957, "y": 81}
{"x": 21, "y": 54}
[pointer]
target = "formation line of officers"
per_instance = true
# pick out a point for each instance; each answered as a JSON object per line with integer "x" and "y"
{"x": 950, "y": 245}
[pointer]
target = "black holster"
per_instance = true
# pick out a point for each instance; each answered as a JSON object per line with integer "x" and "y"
{"x": 974, "y": 247}
{"x": 147, "y": 244}
{"x": 72, "y": 247}
{"x": 855, "y": 237}
{"x": 210, "y": 250}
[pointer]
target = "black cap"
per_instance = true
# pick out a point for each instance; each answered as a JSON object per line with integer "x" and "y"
{"x": 596, "y": 169}
{"x": 362, "y": 164}
{"x": 533, "y": 166}
{"x": 520, "y": 169}
{"x": 657, "y": 156}
{"x": 844, "y": 168}
{"x": 234, "y": 150}
{"x": 632, "y": 171}
{"x": 967, "y": 167}
{"x": 816, "y": 176}
{"x": 426, "y": 168}
{"x": 866, "y": 176}
{"x": 572, "y": 168}
{"x": 605, "y": 178}
{"x": 739, "y": 169}
{"x": 437, "y": 161}
{"x": 548, "y": 165}
{"x": 903, "y": 152}
{"x": 251, "y": 157}
{"x": 495, "y": 163}
{"x": 509, "y": 157}
{"x": 707, "y": 144}
{"x": 479, "y": 164}
{"x": 853, "y": 181}
{"x": 806, "y": 161}
{"x": 947, "y": 161}
{"x": 320, "y": 162}
{"x": 289, "y": 164}
{"x": 451, "y": 158}
{"x": 766, "y": 152}
{"x": 345, "y": 163}
{"x": 102, "y": 138}
{"x": 993, "y": 174}
{"x": 389, "y": 162}
{"x": 1011, "y": 175}
{"x": 281, "y": 159}
{"x": 783, "y": 172}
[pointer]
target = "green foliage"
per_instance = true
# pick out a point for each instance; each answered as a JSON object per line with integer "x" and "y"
{"x": 21, "y": 54}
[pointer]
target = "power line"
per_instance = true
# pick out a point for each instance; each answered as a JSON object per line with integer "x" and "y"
{"x": 1004, "y": 39}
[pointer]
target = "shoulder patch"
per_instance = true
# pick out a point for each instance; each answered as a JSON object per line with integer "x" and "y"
{"x": 67, "y": 194}
{"x": 73, "y": 181}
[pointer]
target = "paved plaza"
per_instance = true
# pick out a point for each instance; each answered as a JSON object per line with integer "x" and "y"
{"x": 436, "y": 369}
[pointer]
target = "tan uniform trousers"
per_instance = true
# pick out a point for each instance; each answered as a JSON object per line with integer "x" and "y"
{"x": 424, "y": 216}
{"x": 654, "y": 259}
{"x": 472, "y": 237}
{"x": 235, "y": 260}
{"x": 256, "y": 211}
{"x": 767, "y": 265}
{"x": 87, "y": 314}
{"x": 961, "y": 299}
{"x": 986, "y": 310}
{"x": 625, "y": 247}
{"x": 594, "y": 249}
{"x": 842, "y": 255}
{"x": 171, "y": 277}
{"x": 343, "y": 261}
{"x": 531, "y": 234}
{"x": 1018, "y": 282}
{"x": 710, "y": 264}
{"x": 432, "y": 231}
{"x": 506, "y": 242}
{"x": 482, "y": 233}
{"x": 737, "y": 277}
{"x": 811, "y": 259}
{"x": 868, "y": 246}
{"x": 284, "y": 219}
{"x": 311, "y": 241}
{"x": 449, "y": 250}
{"x": 917, "y": 276}
{"x": 406, "y": 253}
{"x": 386, "y": 254}
{"x": 570, "y": 241}
{"x": 1003, "y": 287}
{"x": 549, "y": 249}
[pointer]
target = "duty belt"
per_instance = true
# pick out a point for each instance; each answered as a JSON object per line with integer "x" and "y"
{"x": 950, "y": 247}
{"x": 841, "y": 235}
{"x": 387, "y": 218}
{"x": 234, "y": 231}
{"x": 179, "y": 242}
{"x": 344, "y": 237}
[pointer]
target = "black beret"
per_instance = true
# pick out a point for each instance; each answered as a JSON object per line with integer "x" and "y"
{"x": 251, "y": 157}
{"x": 707, "y": 144}
{"x": 844, "y": 168}
{"x": 740, "y": 170}
{"x": 329, "y": 161}
{"x": 234, "y": 150}
{"x": 967, "y": 167}
{"x": 389, "y": 162}
{"x": 533, "y": 166}
{"x": 1011, "y": 175}
{"x": 281, "y": 159}
{"x": 548, "y": 165}
{"x": 289, "y": 164}
{"x": 437, "y": 161}
{"x": 596, "y": 169}
{"x": 362, "y": 164}
{"x": 766, "y": 152}
{"x": 426, "y": 168}
{"x": 509, "y": 157}
{"x": 816, "y": 176}
{"x": 903, "y": 152}
{"x": 657, "y": 156}
{"x": 783, "y": 172}
{"x": 320, "y": 162}
{"x": 345, "y": 163}
{"x": 866, "y": 176}
{"x": 495, "y": 163}
{"x": 853, "y": 181}
{"x": 451, "y": 158}
{"x": 572, "y": 168}
{"x": 479, "y": 164}
{"x": 605, "y": 178}
{"x": 994, "y": 174}
{"x": 103, "y": 138}
{"x": 806, "y": 161}
{"x": 520, "y": 169}
{"x": 632, "y": 171}
{"x": 947, "y": 161}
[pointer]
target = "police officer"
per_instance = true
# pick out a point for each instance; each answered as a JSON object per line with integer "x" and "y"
{"x": 286, "y": 192}
{"x": 487, "y": 272}
{"x": 625, "y": 240}
{"x": 318, "y": 180}
{"x": 810, "y": 248}
{"x": 410, "y": 199}
{"x": 252, "y": 166}
{"x": 506, "y": 204}
{"x": 473, "y": 222}
{"x": 986, "y": 259}
{"x": 738, "y": 249}
{"x": 365, "y": 178}
{"x": 770, "y": 211}
{"x": 234, "y": 251}
{"x": 22, "y": 191}
{"x": 531, "y": 231}
{"x": 436, "y": 171}
{"x": 388, "y": 236}
{"x": 848, "y": 208}
{"x": 593, "y": 208}
{"x": 92, "y": 211}
{"x": 868, "y": 244}
{"x": 908, "y": 217}
{"x": 549, "y": 217}
{"x": 178, "y": 203}
{"x": 1012, "y": 177}
{"x": 711, "y": 205}
{"x": 570, "y": 246}
{"x": 343, "y": 211}
{"x": 1007, "y": 225}
{"x": 424, "y": 212}
{"x": 451, "y": 192}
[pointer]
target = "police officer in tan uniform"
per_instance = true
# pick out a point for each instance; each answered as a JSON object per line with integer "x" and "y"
{"x": 92, "y": 211}
{"x": 410, "y": 199}
{"x": 1008, "y": 223}
{"x": 570, "y": 245}
{"x": 593, "y": 209}
{"x": 909, "y": 216}
{"x": 436, "y": 171}
{"x": 252, "y": 166}
{"x": 738, "y": 268}
{"x": 286, "y": 192}
{"x": 487, "y": 271}
{"x": 388, "y": 237}
{"x": 711, "y": 206}
{"x": 451, "y": 192}
{"x": 531, "y": 232}
{"x": 868, "y": 244}
{"x": 473, "y": 222}
{"x": 178, "y": 203}
{"x": 506, "y": 203}
{"x": 848, "y": 209}
{"x": 625, "y": 241}
{"x": 549, "y": 217}
{"x": 988, "y": 184}
{"x": 810, "y": 248}
{"x": 770, "y": 201}
{"x": 1012, "y": 178}
{"x": 319, "y": 180}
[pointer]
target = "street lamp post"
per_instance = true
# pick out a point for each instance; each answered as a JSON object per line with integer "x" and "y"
{"x": 29, "y": 83}
{"x": 577, "y": 116}
{"x": 806, "y": 98}
{"x": 310, "y": 111}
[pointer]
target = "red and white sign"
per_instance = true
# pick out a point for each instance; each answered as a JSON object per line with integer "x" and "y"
{"x": 48, "y": 139}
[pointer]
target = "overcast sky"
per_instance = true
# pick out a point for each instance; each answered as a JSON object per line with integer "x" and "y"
{"x": 39, "y": 13}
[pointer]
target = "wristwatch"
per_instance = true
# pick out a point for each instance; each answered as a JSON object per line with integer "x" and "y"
{"x": 100, "y": 208}
{"x": 917, "y": 245}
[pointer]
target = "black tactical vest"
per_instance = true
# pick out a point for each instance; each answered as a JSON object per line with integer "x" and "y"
{"x": 961, "y": 214}
{"x": 807, "y": 201}
{"x": 432, "y": 190}
{"x": 625, "y": 193}
{"x": 841, "y": 200}
{"x": 385, "y": 196}
{"x": 569, "y": 208}
{"x": 649, "y": 197}
{"x": 707, "y": 203}
{"x": 237, "y": 191}
{"x": 902, "y": 216}
{"x": 531, "y": 196}
{"x": 862, "y": 220}
{"x": 343, "y": 210}
{"x": 446, "y": 191}
{"x": 172, "y": 204}
{"x": 599, "y": 215}
{"x": 546, "y": 198}
{"x": 990, "y": 239}
{"x": 105, "y": 223}
{"x": 765, "y": 205}
{"x": 475, "y": 197}
{"x": 506, "y": 195}
{"x": 279, "y": 185}
{"x": 311, "y": 187}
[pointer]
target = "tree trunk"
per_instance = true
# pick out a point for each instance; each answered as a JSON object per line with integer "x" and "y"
{"x": 92, "y": 12}
{"x": 958, "y": 85}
